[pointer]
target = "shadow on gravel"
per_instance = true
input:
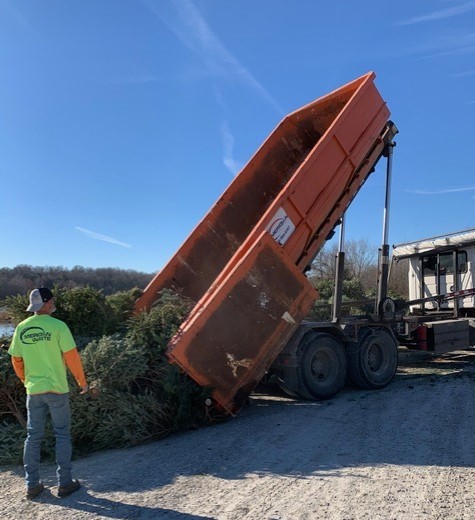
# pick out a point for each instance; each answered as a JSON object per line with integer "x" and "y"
{"x": 425, "y": 420}
{"x": 426, "y": 417}
{"x": 106, "y": 508}
{"x": 417, "y": 363}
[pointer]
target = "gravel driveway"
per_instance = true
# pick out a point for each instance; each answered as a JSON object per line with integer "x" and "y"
{"x": 405, "y": 452}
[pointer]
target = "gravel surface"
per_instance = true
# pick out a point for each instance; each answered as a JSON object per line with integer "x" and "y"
{"x": 404, "y": 452}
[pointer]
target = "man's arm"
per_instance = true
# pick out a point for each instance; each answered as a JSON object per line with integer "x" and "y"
{"x": 74, "y": 363}
{"x": 19, "y": 367}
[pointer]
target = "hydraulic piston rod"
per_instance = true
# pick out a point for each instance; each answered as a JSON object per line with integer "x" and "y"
{"x": 383, "y": 267}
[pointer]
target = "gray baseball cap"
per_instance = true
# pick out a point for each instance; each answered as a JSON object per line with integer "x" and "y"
{"x": 38, "y": 297}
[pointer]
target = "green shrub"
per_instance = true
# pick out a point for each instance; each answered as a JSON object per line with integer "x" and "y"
{"x": 121, "y": 305}
{"x": 115, "y": 419}
{"x": 142, "y": 396}
{"x": 152, "y": 330}
{"x": 85, "y": 310}
{"x": 114, "y": 363}
{"x": 12, "y": 392}
{"x": 12, "y": 437}
{"x": 184, "y": 398}
{"x": 16, "y": 307}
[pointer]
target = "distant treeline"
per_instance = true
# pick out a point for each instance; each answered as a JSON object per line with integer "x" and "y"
{"x": 23, "y": 278}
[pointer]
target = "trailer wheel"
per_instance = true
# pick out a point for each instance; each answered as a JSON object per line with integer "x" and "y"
{"x": 372, "y": 362}
{"x": 322, "y": 366}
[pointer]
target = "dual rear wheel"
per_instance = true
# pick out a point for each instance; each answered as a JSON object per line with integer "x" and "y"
{"x": 372, "y": 362}
{"x": 324, "y": 364}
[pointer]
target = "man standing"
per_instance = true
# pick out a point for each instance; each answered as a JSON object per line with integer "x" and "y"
{"x": 40, "y": 349}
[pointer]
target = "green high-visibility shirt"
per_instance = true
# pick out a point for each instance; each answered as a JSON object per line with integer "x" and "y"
{"x": 41, "y": 340}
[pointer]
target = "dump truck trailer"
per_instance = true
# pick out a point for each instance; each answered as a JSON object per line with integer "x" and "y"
{"x": 243, "y": 265}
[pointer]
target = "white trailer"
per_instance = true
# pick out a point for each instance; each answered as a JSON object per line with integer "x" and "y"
{"x": 438, "y": 267}
{"x": 441, "y": 292}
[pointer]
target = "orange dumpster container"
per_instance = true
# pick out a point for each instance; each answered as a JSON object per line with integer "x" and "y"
{"x": 243, "y": 263}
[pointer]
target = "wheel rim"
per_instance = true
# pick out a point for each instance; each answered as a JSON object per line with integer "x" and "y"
{"x": 375, "y": 358}
{"x": 321, "y": 367}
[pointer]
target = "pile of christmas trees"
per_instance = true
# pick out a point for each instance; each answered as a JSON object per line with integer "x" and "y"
{"x": 140, "y": 396}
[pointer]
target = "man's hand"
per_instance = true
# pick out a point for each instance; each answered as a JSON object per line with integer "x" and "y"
{"x": 84, "y": 389}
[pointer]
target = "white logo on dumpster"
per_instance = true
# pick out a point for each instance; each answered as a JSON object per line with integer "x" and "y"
{"x": 281, "y": 227}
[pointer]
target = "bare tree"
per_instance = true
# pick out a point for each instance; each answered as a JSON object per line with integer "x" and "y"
{"x": 399, "y": 281}
{"x": 361, "y": 256}
{"x": 360, "y": 263}
{"x": 361, "y": 268}
{"x": 23, "y": 278}
{"x": 323, "y": 267}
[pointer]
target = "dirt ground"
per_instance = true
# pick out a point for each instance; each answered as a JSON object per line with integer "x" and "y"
{"x": 405, "y": 452}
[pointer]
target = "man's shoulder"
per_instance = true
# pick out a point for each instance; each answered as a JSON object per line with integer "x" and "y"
{"x": 41, "y": 320}
{"x": 56, "y": 322}
{"x": 26, "y": 321}
{"x": 45, "y": 320}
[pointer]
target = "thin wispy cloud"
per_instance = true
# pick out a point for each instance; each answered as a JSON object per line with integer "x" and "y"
{"x": 228, "y": 149}
{"x": 103, "y": 238}
{"x": 189, "y": 26}
{"x": 11, "y": 8}
{"x": 464, "y": 74}
{"x": 452, "y": 50}
{"x": 440, "y": 14}
{"x": 441, "y": 192}
{"x": 454, "y": 45}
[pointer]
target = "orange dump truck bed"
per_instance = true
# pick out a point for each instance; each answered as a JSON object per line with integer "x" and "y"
{"x": 243, "y": 263}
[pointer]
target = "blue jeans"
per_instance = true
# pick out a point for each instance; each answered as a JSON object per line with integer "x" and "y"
{"x": 38, "y": 407}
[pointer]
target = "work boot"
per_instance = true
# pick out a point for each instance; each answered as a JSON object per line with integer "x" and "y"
{"x": 64, "y": 491}
{"x": 34, "y": 491}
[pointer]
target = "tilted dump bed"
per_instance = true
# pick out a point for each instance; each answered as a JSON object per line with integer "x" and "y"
{"x": 243, "y": 263}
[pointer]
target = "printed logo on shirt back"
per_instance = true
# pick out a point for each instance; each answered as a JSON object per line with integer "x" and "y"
{"x": 32, "y": 335}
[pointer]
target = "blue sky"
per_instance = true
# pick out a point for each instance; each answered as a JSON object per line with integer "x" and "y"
{"x": 122, "y": 121}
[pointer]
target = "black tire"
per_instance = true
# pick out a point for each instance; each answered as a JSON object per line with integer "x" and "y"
{"x": 322, "y": 366}
{"x": 372, "y": 362}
